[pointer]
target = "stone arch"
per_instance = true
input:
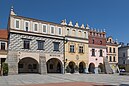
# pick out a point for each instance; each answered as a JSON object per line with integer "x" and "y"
{"x": 101, "y": 68}
{"x": 54, "y": 65}
{"x": 71, "y": 66}
{"x": 91, "y": 68}
{"x": 28, "y": 65}
{"x": 82, "y": 67}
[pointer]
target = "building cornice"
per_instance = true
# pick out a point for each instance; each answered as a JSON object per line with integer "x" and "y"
{"x": 36, "y": 34}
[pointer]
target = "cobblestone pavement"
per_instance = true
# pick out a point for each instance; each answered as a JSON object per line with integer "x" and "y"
{"x": 29, "y": 79}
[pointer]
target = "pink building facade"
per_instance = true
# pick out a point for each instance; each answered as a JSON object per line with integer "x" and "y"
{"x": 97, "y": 51}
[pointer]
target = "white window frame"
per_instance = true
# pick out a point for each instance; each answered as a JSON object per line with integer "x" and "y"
{"x": 5, "y": 44}
{"x": 15, "y": 23}
{"x": 53, "y": 30}
{"x": 34, "y": 26}
{"x": 28, "y": 25}
{"x": 60, "y": 29}
{"x": 42, "y": 28}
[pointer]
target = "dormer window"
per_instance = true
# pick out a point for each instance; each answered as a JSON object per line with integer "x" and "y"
{"x": 26, "y": 26}
{"x": 52, "y": 29}
{"x": 17, "y": 23}
{"x": 35, "y": 27}
{"x": 59, "y": 30}
{"x": 44, "y": 28}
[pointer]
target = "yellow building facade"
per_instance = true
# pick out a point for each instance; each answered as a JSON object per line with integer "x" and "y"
{"x": 112, "y": 53}
{"x": 76, "y": 48}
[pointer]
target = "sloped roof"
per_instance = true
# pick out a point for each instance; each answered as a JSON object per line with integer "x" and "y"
{"x": 3, "y": 34}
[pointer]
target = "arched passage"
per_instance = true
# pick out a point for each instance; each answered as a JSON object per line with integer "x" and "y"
{"x": 91, "y": 68}
{"x": 28, "y": 65}
{"x": 54, "y": 65}
{"x": 82, "y": 67}
{"x": 101, "y": 68}
{"x": 72, "y": 67}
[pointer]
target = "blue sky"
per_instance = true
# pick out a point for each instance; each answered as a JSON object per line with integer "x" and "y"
{"x": 112, "y": 15}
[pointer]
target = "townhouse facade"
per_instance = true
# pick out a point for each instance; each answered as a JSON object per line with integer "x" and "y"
{"x": 112, "y": 53}
{"x": 76, "y": 47}
{"x": 3, "y": 47}
{"x": 123, "y": 57}
{"x": 35, "y": 46}
{"x": 97, "y": 51}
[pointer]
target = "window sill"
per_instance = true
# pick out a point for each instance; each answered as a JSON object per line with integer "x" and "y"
{"x": 93, "y": 55}
{"x": 71, "y": 52}
{"x": 40, "y": 49}
{"x": 26, "y": 48}
{"x": 56, "y": 50}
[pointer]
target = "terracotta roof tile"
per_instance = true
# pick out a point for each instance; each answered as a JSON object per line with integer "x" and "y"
{"x": 3, "y": 34}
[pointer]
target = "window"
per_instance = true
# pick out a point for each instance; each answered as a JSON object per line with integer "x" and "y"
{"x": 72, "y": 48}
{"x": 67, "y": 31}
{"x": 93, "y": 41}
{"x": 110, "y": 59}
{"x": 26, "y": 26}
{"x": 2, "y": 46}
{"x": 80, "y": 49}
{"x": 59, "y": 30}
{"x": 123, "y": 54}
{"x": 40, "y": 45}
{"x": 101, "y": 42}
{"x": 110, "y": 49}
{"x": 35, "y": 27}
{"x": 114, "y": 59}
{"x": 26, "y": 44}
{"x": 44, "y": 28}
{"x": 101, "y": 53}
{"x": 52, "y": 30}
{"x": 114, "y": 51}
{"x": 56, "y": 46}
{"x": 93, "y": 52}
{"x": 17, "y": 23}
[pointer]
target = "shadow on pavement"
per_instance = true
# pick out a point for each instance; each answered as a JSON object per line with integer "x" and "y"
{"x": 124, "y": 85}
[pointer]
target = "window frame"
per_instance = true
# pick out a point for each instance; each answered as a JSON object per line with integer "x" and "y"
{"x": 1, "y": 46}
{"x": 53, "y": 29}
{"x": 16, "y": 23}
{"x": 41, "y": 41}
{"x": 71, "y": 48}
{"x": 93, "y": 53}
{"x": 81, "y": 49}
{"x": 101, "y": 53}
{"x": 43, "y": 28}
{"x": 25, "y": 25}
{"x": 54, "y": 49}
{"x": 24, "y": 43}
{"x": 35, "y": 23}
{"x": 59, "y": 30}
